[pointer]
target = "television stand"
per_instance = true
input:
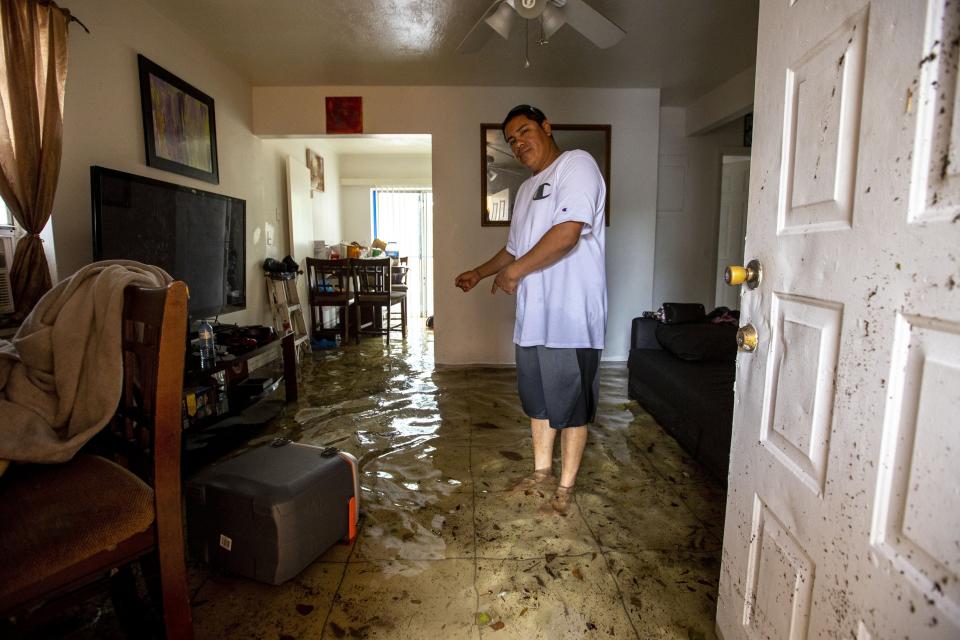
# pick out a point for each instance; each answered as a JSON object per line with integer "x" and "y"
{"x": 227, "y": 389}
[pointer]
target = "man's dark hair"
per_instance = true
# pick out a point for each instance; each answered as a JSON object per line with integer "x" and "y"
{"x": 522, "y": 110}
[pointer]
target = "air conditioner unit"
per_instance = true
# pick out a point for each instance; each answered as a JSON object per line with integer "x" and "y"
{"x": 6, "y": 259}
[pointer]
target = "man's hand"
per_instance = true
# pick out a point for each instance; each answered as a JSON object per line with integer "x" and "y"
{"x": 468, "y": 280}
{"x": 506, "y": 280}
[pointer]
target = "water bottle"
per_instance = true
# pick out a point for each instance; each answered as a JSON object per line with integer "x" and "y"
{"x": 208, "y": 345}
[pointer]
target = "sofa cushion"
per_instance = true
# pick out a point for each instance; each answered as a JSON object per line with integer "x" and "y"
{"x": 699, "y": 341}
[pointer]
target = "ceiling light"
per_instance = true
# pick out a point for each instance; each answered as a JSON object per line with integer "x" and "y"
{"x": 501, "y": 20}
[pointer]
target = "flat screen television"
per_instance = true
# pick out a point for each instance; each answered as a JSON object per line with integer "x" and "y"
{"x": 195, "y": 236}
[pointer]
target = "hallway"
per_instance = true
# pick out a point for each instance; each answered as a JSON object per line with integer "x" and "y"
{"x": 444, "y": 552}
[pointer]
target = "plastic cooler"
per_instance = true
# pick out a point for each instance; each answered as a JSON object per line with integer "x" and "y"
{"x": 270, "y": 512}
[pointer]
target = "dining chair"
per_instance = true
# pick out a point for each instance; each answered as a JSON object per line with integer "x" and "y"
{"x": 373, "y": 286}
{"x": 73, "y": 524}
{"x": 329, "y": 286}
{"x": 398, "y": 283}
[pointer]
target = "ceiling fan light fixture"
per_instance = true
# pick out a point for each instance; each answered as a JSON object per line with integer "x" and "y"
{"x": 551, "y": 21}
{"x": 501, "y": 20}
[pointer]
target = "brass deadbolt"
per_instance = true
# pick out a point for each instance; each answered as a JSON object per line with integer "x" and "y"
{"x": 747, "y": 338}
{"x": 749, "y": 275}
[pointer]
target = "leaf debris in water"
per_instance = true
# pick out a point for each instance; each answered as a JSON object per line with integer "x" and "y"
{"x": 486, "y": 425}
{"x": 483, "y": 618}
{"x": 496, "y": 626}
{"x": 577, "y": 573}
{"x": 511, "y": 455}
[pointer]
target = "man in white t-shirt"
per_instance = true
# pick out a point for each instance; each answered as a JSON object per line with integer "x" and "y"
{"x": 554, "y": 262}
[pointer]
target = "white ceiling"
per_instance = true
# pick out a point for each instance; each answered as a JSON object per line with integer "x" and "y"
{"x": 685, "y": 47}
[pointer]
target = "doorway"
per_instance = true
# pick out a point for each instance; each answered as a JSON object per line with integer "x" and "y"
{"x": 731, "y": 230}
{"x": 403, "y": 217}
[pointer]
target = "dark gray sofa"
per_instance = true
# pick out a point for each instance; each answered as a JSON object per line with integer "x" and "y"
{"x": 692, "y": 399}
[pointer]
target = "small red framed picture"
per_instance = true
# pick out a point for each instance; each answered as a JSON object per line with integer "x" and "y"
{"x": 345, "y": 115}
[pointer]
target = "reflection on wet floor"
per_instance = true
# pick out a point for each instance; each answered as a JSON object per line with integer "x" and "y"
{"x": 444, "y": 551}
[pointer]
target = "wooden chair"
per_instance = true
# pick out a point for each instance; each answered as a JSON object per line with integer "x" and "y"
{"x": 398, "y": 274}
{"x": 329, "y": 286}
{"x": 398, "y": 284}
{"x": 372, "y": 283}
{"x": 68, "y": 525}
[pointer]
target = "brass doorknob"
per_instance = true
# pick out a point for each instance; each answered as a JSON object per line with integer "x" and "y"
{"x": 747, "y": 338}
{"x": 749, "y": 275}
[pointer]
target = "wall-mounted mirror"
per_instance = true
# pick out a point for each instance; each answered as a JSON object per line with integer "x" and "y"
{"x": 502, "y": 173}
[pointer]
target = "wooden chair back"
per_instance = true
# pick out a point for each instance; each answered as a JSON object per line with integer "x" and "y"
{"x": 373, "y": 284}
{"x": 372, "y": 280}
{"x": 398, "y": 274}
{"x": 328, "y": 280}
{"x": 142, "y": 440}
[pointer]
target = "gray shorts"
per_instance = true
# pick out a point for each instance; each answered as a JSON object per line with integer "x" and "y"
{"x": 560, "y": 385}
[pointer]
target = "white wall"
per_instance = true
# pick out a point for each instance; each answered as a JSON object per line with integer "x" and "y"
{"x": 473, "y": 327}
{"x": 688, "y": 209}
{"x": 731, "y": 100}
{"x": 102, "y": 126}
{"x": 361, "y": 171}
{"x": 327, "y": 205}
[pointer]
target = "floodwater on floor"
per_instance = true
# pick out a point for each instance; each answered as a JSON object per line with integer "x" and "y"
{"x": 444, "y": 551}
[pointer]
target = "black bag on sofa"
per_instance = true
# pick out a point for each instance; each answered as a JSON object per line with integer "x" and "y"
{"x": 680, "y": 312}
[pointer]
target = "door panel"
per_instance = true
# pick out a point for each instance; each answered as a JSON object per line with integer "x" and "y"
{"x": 914, "y": 528}
{"x": 821, "y": 125}
{"x": 843, "y": 489}
{"x": 800, "y": 385}
{"x": 935, "y": 193}
{"x": 779, "y": 582}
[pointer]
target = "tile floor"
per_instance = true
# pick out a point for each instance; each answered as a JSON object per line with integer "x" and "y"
{"x": 444, "y": 552}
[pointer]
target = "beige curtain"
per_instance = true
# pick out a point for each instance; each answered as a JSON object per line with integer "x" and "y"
{"x": 33, "y": 74}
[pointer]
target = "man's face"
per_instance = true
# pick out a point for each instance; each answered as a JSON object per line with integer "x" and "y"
{"x": 530, "y": 142}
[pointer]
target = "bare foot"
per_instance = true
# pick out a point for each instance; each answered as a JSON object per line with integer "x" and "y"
{"x": 562, "y": 500}
{"x": 536, "y": 479}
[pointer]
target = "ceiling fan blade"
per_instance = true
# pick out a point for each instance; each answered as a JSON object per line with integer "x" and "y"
{"x": 501, "y": 20}
{"x": 480, "y": 33}
{"x": 551, "y": 20}
{"x": 594, "y": 27}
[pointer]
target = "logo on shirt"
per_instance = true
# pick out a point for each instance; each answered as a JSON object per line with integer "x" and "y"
{"x": 543, "y": 191}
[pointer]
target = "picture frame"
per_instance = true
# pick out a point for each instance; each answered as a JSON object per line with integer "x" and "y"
{"x": 344, "y": 114}
{"x": 179, "y": 124}
{"x": 501, "y": 174}
{"x": 315, "y": 164}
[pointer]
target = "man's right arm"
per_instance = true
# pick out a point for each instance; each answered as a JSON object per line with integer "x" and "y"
{"x": 469, "y": 279}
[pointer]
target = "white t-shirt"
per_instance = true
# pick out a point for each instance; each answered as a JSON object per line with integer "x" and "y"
{"x": 565, "y": 304}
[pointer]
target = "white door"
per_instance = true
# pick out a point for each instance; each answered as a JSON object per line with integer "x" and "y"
{"x": 734, "y": 185}
{"x": 843, "y": 516}
{"x": 300, "y": 222}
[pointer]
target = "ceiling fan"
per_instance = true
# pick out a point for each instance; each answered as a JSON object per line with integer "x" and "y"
{"x": 552, "y": 14}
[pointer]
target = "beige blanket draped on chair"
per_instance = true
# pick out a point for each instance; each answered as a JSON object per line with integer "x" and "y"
{"x": 60, "y": 376}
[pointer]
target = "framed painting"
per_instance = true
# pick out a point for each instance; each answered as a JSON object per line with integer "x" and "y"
{"x": 344, "y": 114}
{"x": 315, "y": 164}
{"x": 179, "y": 127}
{"x": 501, "y": 174}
